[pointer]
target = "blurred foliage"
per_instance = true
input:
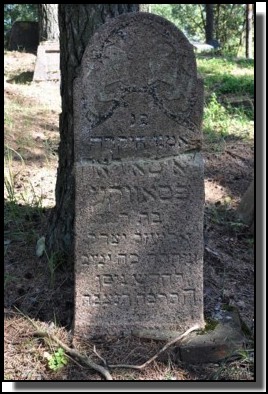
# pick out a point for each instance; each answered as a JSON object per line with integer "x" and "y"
{"x": 229, "y": 23}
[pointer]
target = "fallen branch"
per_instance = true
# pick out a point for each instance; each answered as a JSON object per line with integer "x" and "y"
{"x": 170, "y": 343}
{"x": 103, "y": 371}
{"x": 83, "y": 359}
{"x": 74, "y": 353}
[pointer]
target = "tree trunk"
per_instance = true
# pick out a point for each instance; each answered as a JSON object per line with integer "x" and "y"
{"x": 209, "y": 23}
{"x": 77, "y": 24}
{"x": 217, "y": 22}
{"x": 249, "y": 17}
{"x": 48, "y": 22}
{"x": 246, "y": 207}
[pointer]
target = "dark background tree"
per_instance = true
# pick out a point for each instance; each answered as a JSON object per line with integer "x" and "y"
{"x": 209, "y": 23}
{"x": 229, "y": 23}
{"x": 48, "y": 22}
{"x": 77, "y": 24}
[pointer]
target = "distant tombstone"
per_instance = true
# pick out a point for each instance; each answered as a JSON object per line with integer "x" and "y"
{"x": 139, "y": 180}
{"x": 24, "y": 36}
{"x": 47, "y": 67}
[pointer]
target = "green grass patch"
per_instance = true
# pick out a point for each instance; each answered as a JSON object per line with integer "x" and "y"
{"x": 226, "y": 79}
{"x": 223, "y": 75}
{"x": 220, "y": 121}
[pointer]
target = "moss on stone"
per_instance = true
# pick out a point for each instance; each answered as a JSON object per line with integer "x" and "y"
{"x": 210, "y": 326}
{"x": 228, "y": 308}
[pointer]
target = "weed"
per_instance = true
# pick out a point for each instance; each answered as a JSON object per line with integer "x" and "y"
{"x": 52, "y": 266}
{"x": 10, "y": 176}
{"x": 232, "y": 364}
{"x": 221, "y": 119}
{"x": 57, "y": 360}
{"x": 246, "y": 355}
{"x": 8, "y": 119}
{"x": 32, "y": 199}
{"x": 54, "y": 261}
{"x": 236, "y": 226}
{"x": 216, "y": 119}
{"x": 250, "y": 242}
{"x": 7, "y": 279}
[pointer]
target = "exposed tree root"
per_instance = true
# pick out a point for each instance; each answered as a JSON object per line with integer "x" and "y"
{"x": 91, "y": 364}
{"x": 167, "y": 345}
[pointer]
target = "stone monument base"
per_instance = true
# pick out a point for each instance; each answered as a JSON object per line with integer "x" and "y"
{"x": 47, "y": 67}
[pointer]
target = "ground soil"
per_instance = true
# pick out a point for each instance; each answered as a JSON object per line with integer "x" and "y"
{"x": 31, "y": 290}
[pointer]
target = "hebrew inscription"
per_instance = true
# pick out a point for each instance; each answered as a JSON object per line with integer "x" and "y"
{"x": 138, "y": 94}
{"x": 139, "y": 187}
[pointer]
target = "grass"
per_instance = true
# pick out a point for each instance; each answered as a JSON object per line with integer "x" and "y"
{"x": 23, "y": 122}
{"x": 240, "y": 359}
{"x": 222, "y": 79}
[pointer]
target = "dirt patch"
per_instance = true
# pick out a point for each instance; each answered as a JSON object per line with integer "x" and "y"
{"x": 42, "y": 288}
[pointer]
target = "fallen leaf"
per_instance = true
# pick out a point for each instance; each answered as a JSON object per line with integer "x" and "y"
{"x": 40, "y": 246}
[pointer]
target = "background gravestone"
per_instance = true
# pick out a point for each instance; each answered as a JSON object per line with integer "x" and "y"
{"x": 47, "y": 66}
{"x": 139, "y": 180}
{"x": 24, "y": 36}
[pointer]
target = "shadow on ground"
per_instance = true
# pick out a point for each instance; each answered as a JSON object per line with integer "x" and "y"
{"x": 22, "y": 78}
{"x": 40, "y": 287}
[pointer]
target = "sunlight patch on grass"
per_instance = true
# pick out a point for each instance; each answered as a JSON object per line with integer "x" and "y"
{"x": 218, "y": 122}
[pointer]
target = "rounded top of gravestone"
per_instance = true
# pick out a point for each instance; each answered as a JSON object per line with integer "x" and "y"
{"x": 141, "y": 39}
{"x": 138, "y": 83}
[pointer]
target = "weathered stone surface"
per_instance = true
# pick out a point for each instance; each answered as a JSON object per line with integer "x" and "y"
{"x": 47, "y": 67}
{"x": 214, "y": 345}
{"x": 139, "y": 244}
{"x": 139, "y": 180}
{"x": 138, "y": 94}
{"x": 201, "y": 347}
{"x": 24, "y": 36}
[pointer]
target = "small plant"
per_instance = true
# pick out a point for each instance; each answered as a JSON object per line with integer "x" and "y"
{"x": 10, "y": 176}
{"x": 54, "y": 260}
{"x": 52, "y": 265}
{"x": 7, "y": 279}
{"x": 57, "y": 360}
{"x": 246, "y": 355}
{"x": 216, "y": 118}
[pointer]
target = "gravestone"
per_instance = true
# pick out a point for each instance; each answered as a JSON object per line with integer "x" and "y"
{"x": 47, "y": 66}
{"x": 139, "y": 180}
{"x": 24, "y": 36}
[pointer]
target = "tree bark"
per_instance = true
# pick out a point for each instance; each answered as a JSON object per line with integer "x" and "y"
{"x": 249, "y": 17}
{"x": 48, "y": 22}
{"x": 246, "y": 211}
{"x": 209, "y": 22}
{"x": 77, "y": 24}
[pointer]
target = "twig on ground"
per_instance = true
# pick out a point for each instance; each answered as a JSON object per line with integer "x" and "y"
{"x": 170, "y": 343}
{"x": 84, "y": 359}
{"x": 103, "y": 371}
{"x": 76, "y": 354}
{"x": 99, "y": 356}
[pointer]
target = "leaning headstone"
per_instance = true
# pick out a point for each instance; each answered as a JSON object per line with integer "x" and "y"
{"x": 47, "y": 66}
{"x": 139, "y": 180}
{"x": 24, "y": 36}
